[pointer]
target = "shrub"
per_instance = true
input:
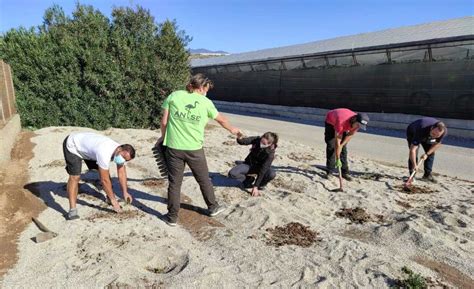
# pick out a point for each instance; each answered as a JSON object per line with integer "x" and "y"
{"x": 89, "y": 70}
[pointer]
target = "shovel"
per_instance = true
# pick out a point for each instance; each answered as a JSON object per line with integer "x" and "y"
{"x": 412, "y": 176}
{"x": 340, "y": 189}
{"x": 340, "y": 180}
{"x": 45, "y": 235}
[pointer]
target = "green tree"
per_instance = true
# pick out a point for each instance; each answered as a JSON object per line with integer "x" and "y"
{"x": 89, "y": 70}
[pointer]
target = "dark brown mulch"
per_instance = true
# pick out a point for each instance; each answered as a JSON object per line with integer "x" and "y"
{"x": 415, "y": 189}
{"x": 155, "y": 183}
{"x": 124, "y": 215}
{"x": 406, "y": 205}
{"x": 230, "y": 143}
{"x": 292, "y": 234}
{"x": 359, "y": 215}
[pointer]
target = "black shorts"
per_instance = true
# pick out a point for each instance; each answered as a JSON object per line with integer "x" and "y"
{"x": 74, "y": 162}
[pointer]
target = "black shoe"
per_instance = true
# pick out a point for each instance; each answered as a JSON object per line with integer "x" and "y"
{"x": 248, "y": 183}
{"x": 347, "y": 177}
{"x": 217, "y": 210}
{"x": 170, "y": 222}
{"x": 429, "y": 178}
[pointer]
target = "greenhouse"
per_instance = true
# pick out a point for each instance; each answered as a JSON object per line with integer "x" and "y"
{"x": 424, "y": 69}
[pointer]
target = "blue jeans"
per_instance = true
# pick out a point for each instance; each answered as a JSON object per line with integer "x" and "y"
{"x": 428, "y": 165}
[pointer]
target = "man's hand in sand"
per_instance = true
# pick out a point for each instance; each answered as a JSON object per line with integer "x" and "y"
{"x": 128, "y": 198}
{"x": 116, "y": 206}
{"x": 255, "y": 192}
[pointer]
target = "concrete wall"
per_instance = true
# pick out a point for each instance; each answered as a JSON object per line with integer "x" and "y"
{"x": 7, "y": 94}
{"x": 398, "y": 121}
{"x": 10, "y": 124}
{"x": 8, "y": 134}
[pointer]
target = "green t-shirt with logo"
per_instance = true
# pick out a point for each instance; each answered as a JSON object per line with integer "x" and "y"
{"x": 188, "y": 116}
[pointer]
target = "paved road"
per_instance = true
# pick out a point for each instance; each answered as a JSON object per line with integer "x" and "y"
{"x": 456, "y": 161}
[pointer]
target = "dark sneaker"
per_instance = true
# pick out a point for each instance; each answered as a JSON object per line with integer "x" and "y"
{"x": 248, "y": 183}
{"x": 217, "y": 210}
{"x": 429, "y": 178}
{"x": 347, "y": 177}
{"x": 170, "y": 222}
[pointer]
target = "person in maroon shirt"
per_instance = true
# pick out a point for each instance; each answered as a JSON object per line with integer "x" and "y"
{"x": 340, "y": 126}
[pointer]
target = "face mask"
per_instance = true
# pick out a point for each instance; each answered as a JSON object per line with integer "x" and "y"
{"x": 263, "y": 146}
{"x": 119, "y": 160}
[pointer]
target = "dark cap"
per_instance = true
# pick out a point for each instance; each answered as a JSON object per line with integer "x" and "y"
{"x": 363, "y": 119}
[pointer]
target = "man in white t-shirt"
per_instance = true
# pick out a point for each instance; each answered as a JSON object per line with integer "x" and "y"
{"x": 97, "y": 151}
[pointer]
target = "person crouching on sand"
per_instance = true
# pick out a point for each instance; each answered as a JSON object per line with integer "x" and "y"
{"x": 97, "y": 151}
{"x": 258, "y": 162}
{"x": 340, "y": 126}
{"x": 185, "y": 115}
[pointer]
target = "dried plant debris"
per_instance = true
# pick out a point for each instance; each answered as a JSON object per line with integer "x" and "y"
{"x": 143, "y": 284}
{"x": 124, "y": 215}
{"x": 56, "y": 163}
{"x": 230, "y": 143}
{"x": 359, "y": 215}
{"x": 154, "y": 183}
{"x": 371, "y": 176}
{"x": 292, "y": 234}
{"x": 415, "y": 189}
{"x": 404, "y": 204}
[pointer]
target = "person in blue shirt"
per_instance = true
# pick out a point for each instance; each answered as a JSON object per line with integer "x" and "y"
{"x": 427, "y": 132}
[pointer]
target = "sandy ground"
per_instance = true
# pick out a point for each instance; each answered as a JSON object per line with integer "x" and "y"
{"x": 429, "y": 230}
{"x": 17, "y": 204}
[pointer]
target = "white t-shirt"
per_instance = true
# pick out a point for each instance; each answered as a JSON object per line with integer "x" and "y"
{"x": 92, "y": 146}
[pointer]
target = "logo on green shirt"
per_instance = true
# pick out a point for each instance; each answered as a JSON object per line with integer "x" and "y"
{"x": 188, "y": 116}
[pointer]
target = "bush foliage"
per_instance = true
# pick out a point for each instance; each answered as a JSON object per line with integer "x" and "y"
{"x": 92, "y": 71}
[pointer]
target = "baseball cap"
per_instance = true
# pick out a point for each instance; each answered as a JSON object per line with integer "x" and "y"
{"x": 363, "y": 119}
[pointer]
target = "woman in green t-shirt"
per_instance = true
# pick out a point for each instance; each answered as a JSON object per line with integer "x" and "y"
{"x": 185, "y": 115}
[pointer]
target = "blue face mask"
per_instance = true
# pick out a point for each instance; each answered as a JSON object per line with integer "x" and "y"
{"x": 119, "y": 160}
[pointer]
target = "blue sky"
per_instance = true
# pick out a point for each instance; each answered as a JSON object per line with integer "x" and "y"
{"x": 245, "y": 25}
